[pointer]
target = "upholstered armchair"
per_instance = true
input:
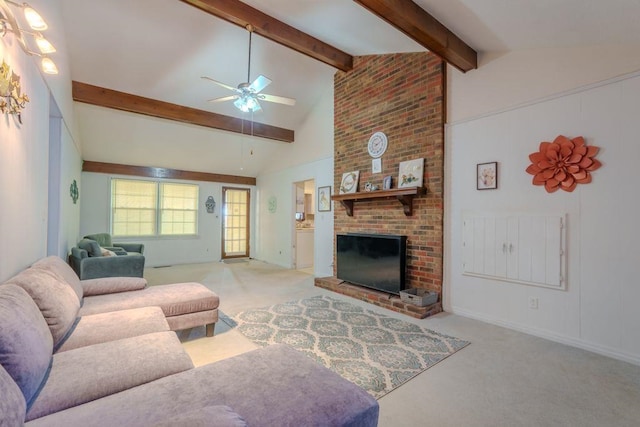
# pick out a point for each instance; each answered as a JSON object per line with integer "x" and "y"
{"x": 91, "y": 260}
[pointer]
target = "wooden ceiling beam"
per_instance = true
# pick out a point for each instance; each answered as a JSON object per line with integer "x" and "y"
{"x": 151, "y": 172}
{"x": 95, "y": 95}
{"x": 242, "y": 14}
{"x": 418, "y": 24}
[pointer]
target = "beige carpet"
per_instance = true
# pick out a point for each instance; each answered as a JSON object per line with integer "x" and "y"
{"x": 505, "y": 378}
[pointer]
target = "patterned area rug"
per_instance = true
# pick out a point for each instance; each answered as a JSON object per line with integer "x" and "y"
{"x": 377, "y": 352}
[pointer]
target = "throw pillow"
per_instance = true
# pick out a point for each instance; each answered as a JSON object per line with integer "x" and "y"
{"x": 63, "y": 271}
{"x": 26, "y": 345}
{"x": 57, "y": 302}
{"x": 107, "y": 252}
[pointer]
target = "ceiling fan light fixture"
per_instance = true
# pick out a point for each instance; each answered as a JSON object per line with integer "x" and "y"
{"x": 247, "y": 104}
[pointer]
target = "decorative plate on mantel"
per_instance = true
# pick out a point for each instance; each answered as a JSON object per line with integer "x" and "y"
{"x": 377, "y": 144}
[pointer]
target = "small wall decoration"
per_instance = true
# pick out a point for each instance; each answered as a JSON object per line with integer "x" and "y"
{"x": 210, "y": 204}
{"x": 12, "y": 101}
{"x": 74, "y": 192}
{"x": 410, "y": 173}
{"x": 370, "y": 187}
{"x": 387, "y": 182}
{"x": 324, "y": 199}
{"x": 272, "y": 204}
{"x": 349, "y": 183}
{"x": 563, "y": 164}
{"x": 376, "y": 165}
{"x": 487, "y": 176}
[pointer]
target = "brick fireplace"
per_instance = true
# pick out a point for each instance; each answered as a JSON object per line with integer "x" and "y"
{"x": 401, "y": 95}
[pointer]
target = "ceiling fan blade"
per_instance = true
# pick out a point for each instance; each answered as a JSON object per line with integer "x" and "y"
{"x": 224, "y": 98}
{"x": 278, "y": 99}
{"x": 220, "y": 84}
{"x": 259, "y": 83}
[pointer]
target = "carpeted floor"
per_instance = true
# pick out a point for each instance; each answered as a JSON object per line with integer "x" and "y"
{"x": 377, "y": 352}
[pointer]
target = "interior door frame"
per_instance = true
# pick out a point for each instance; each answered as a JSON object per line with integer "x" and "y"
{"x": 247, "y": 253}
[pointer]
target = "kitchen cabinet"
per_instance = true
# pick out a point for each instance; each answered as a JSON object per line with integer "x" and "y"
{"x": 304, "y": 247}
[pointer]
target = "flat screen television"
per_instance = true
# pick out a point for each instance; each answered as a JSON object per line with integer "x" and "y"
{"x": 377, "y": 261}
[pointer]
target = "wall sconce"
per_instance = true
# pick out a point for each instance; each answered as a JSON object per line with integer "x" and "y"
{"x": 12, "y": 100}
{"x": 9, "y": 24}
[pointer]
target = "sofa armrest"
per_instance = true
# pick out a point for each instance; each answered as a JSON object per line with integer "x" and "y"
{"x": 111, "y": 266}
{"x": 78, "y": 253}
{"x": 131, "y": 247}
{"x": 112, "y": 285}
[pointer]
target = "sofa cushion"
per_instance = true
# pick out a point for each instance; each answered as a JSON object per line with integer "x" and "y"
{"x": 63, "y": 271}
{"x": 58, "y": 303}
{"x": 88, "y": 373}
{"x": 103, "y": 239}
{"x": 25, "y": 341}
{"x": 115, "y": 325}
{"x": 91, "y": 246}
{"x": 209, "y": 416}
{"x": 112, "y": 285}
{"x": 12, "y": 404}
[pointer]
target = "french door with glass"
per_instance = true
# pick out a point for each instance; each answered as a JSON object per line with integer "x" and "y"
{"x": 235, "y": 222}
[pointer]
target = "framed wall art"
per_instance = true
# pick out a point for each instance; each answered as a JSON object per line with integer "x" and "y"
{"x": 487, "y": 176}
{"x": 386, "y": 182}
{"x": 410, "y": 173}
{"x": 324, "y": 199}
{"x": 349, "y": 183}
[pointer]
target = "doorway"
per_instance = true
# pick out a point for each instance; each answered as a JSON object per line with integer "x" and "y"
{"x": 235, "y": 222}
{"x": 304, "y": 220}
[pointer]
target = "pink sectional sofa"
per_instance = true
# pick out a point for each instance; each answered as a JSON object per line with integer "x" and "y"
{"x": 60, "y": 366}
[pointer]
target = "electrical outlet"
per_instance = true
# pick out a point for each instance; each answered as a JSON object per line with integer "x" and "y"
{"x": 533, "y": 303}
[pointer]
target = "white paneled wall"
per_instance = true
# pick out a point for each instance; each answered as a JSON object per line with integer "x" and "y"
{"x": 598, "y": 310}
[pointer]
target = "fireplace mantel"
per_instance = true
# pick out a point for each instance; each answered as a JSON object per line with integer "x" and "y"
{"x": 404, "y": 196}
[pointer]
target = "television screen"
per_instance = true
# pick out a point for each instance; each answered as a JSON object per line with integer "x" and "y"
{"x": 376, "y": 261}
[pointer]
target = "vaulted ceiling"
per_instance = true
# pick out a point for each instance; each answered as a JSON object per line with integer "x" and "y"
{"x": 159, "y": 49}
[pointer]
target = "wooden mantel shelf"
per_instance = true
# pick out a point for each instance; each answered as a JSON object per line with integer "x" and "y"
{"x": 404, "y": 196}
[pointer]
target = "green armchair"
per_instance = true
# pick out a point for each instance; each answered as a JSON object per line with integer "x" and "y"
{"x": 89, "y": 261}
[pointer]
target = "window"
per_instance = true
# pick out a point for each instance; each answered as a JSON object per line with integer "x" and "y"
{"x": 148, "y": 208}
{"x": 178, "y": 209}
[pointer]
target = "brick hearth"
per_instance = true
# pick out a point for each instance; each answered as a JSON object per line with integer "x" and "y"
{"x": 378, "y": 298}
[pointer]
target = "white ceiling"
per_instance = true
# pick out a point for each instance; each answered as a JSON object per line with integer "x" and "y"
{"x": 160, "y": 48}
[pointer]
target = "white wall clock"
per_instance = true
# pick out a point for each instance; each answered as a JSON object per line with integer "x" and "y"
{"x": 377, "y": 144}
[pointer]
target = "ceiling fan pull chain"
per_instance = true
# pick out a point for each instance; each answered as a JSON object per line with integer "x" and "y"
{"x": 250, "y": 29}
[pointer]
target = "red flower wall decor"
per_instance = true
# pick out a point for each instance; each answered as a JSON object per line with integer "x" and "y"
{"x": 563, "y": 163}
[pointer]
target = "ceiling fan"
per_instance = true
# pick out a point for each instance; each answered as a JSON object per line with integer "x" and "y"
{"x": 247, "y": 95}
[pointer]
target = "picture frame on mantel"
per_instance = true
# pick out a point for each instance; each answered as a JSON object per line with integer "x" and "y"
{"x": 324, "y": 199}
{"x": 349, "y": 183}
{"x": 410, "y": 173}
{"x": 487, "y": 176}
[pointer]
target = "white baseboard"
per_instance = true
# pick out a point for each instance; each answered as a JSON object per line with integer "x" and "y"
{"x": 562, "y": 339}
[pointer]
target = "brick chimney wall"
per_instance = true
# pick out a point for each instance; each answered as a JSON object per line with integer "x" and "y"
{"x": 401, "y": 95}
